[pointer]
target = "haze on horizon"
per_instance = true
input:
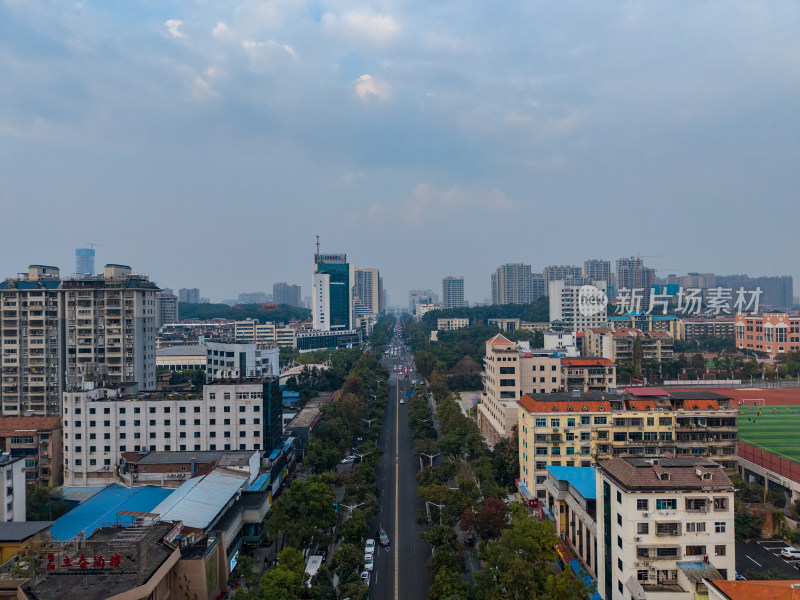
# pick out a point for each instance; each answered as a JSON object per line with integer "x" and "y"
{"x": 206, "y": 144}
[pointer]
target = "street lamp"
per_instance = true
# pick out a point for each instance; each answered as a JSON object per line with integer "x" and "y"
{"x": 362, "y": 455}
{"x": 440, "y": 507}
{"x": 430, "y": 456}
{"x": 351, "y": 507}
{"x": 369, "y": 421}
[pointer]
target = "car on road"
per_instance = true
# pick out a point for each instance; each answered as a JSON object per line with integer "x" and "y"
{"x": 347, "y": 460}
{"x": 384, "y": 539}
{"x": 370, "y": 547}
{"x": 365, "y": 577}
{"x": 369, "y": 562}
{"x": 402, "y": 401}
{"x": 791, "y": 553}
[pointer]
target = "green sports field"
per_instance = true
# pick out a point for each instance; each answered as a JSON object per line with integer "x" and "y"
{"x": 777, "y": 432}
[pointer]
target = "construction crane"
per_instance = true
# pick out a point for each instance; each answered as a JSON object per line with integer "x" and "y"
{"x": 92, "y": 245}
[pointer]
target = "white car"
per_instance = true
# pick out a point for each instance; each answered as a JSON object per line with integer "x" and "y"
{"x": 368, "y": 562}
{"x": 790, "y": 553}
{"x": 365, "y": 577}
{"x": 370, "y": 547}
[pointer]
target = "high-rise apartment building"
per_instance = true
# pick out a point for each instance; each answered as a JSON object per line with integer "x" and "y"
{"x": 166, "y": 309}
{"x": 600, "y": 270}
{"x": 633, "y": 275}
{"x": 332, "y": 302}
{"x": 513, "y": 284}
{"x": 565, "y": 306}
{"x": 367, "y": 291}
{"x": 452, "y": 292}
{"x": 283, "y": 293}
{"x": 189, "y": 295}
{"x": 776, "y": 292}
{"x": 558, "y": 272}
{"x": 84, "y": 261}
{"x": 57, "y": 329}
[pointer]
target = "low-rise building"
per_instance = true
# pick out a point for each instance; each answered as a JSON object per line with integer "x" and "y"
{"x": 698, "y": 327}
{"x": 237, "y": 361}
{"x": 722, "y": 589}
{"x": 171, "y": 469}
{"x": 665, "y": 526}
{"x": 770, "y": 333}
{"x": 618, "y": 344}
{"x": 38, "y": 441}
{"x": 16, "y": 538}
{"x": 182, "y": 358}
{"x": 451, "y": 323}
{"x": 102, "y": 424}
{"x": 251, "y": 331}
{"x": 581, "y": 429}
{"x": 650, "y": 322}
{"x": 504, "y": 324}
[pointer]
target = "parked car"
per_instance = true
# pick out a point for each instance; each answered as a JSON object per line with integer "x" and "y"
{"x": 370, "y": 547}
{"x": 368, "y": 562}
{"x": 384, "y": 539}
{"x": 469, "y": 539}
{"x": 790, "y": 553}
{"x": 365, "y": 577}
{"x": 323, "y": 552}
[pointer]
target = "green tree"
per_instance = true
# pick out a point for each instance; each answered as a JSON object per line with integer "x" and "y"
{"x": 44, "y": 504}
{"x": 284, "y": 581}
{"x": 638, "y": 355}
{"x": 302, "y": 510}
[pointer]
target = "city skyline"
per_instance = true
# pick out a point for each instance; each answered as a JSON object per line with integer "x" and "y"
{"x": 173, "y": 135}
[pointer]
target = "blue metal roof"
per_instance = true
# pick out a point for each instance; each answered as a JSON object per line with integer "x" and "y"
{"x": 261, "y": 483}
{"x": 103, "y": 508}
{"x": 581, "y": 478}
{"x": 584, "y": 576}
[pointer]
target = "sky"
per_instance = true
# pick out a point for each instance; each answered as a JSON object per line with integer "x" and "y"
{"x": 206, "y": 144}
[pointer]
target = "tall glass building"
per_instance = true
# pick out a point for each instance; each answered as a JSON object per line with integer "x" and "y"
{"x": 84, "y": 261}
{"x": 333, "y": 283}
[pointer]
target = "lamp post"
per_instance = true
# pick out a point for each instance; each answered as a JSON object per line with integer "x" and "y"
{"x": 351, "y": 507}
{"x": 440, "y": 507}
{"x": 430, "y": 456}
{"x": 369, "y": 421}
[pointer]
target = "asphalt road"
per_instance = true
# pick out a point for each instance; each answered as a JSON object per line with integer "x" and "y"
{"x": 760, "y": 555}
{"x": 399, "y": 570}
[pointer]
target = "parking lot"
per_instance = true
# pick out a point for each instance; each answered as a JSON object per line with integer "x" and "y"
{"x": 760, "y": 555}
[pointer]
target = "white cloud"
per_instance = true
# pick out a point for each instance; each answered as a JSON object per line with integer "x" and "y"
{"x": 368, "y": 86}
{"x": 352, "y": 177}
{"x": 266, "y": 56}
{"x": 220, "y": 31}
{"x": 425, "y": 200}
{"x": 173, "y": 25}
{"x": 376, "y": 29}
{"x": 203, "y": 83}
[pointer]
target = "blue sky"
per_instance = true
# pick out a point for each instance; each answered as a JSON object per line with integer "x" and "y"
{"x": 207, "y": 143}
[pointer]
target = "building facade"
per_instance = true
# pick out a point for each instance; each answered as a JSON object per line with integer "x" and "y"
{"x": 600, "y": 270}
{"x": 57, "y": 329}
{"x": 452, "y": 292}
{"x": 101, "y": 424}
{"x": 332, "y": 302}
{"x": 189, "y": 295}
{"x": 565, "y": 306}
{"x": 84, "y": 261}
{"x": 698, "y": 327}
{"x": 559, "y": 272}
{"x": 618, "y": 344}
{"x": 451, "y": 323}
{"x": 513, "y": 284}
{"x": 38, "y": 441}
{"x": 166, "y": 309}
{"x": 283, "y": 293}
{"x": 664, "y": 525}
{"x": 12, "y": 474}
{"x": 770, "y": 333}
{"x": 585, "y": 428}
{"x": 633, "y": 275}
{"x": 241, "y": 361}
{"x": 367, "y": 291}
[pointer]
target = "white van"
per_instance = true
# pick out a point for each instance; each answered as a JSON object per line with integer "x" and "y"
{"x": 312, "y": 566}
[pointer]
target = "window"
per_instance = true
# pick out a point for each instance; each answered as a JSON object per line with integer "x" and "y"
{"x": 698, "y": 527}
{"x": 571, "y": 422}
{"x": 227, "y": 396}
{"x": 212, "y": 421}
{"x": 182, "y": 409}
{"x": 619, "y": 584}
{"x": 152, "y": 422}
{"x": 197, "y": 409}
{"x": 541, "y": 422}
{"x": 197, "y": 434}
{"x": 92, "y": 448}
{"x": 619, "y": 519}
{"x": 226, "y": 409}
{"x": 227, "y": 422}
{"x": 719, "y": 550}
{"x": 600, "y": 420}
{"x": 242, "y": 421}
{"x": 555, "y": 422}
{"x": 213, "y": 434}
{"x": 152, "y": 435}
{"x": 695, "y": 550}
{"x": 641, "y": 575}
{"x": 122, "y": 423}
{"x": 719, "y": 527}
{"x": 619, "y": 564}
{"x": 720, "y": 504}
{"x": 619, "y": 541}
{"x": 643, "y": 528}
{"x": 242, "y": 409}
{"x": 182, "y": 422}
{"x": 619, "y": 496}
{"x": 197, "y": 421}
{"x": 212, "y": 396}
{"x": 152, "y": 410}
{"x": 641, "y": 504}
{"x": 666, "y": 504}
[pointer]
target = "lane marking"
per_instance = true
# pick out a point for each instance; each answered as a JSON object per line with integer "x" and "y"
{"x": 751, "y": 558}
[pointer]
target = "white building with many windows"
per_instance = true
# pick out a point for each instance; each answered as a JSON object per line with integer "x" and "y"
{"x": 101, "y": 424}
{"x": 12, "y": 475}
{"x": 663, "y": 526}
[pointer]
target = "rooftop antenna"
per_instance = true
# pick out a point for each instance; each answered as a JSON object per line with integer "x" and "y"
{"x": 318, "y": 245}
{"x": 92, "y": 245}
